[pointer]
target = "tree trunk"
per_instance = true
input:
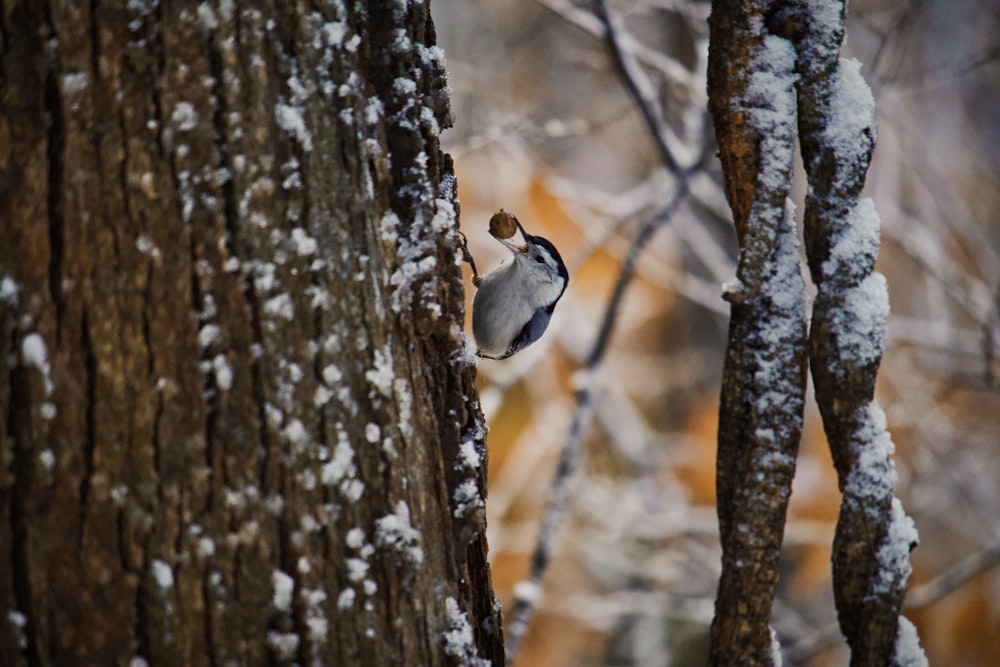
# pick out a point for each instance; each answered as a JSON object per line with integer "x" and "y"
{"x": 774, "y": 71}
{"x": 871, "y": 548}
{"x": 751, "y": 91}
{"x": 239, "y": 423}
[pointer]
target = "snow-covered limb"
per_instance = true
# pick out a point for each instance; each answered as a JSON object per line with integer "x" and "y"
{"x": 752, "y": 98}
{"x": 760, "y": 423}
{"x": 874, "y": 536}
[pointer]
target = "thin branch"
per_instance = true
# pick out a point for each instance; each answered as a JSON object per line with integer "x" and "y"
{"x": 670, "y": 68}
{"x": 954, "y": 578}
{"x": 528, "y": 592}
{"x": 807, "y": 646}
{"x": 920, "y": 596}
{"x": 639, "y": 86}
{"x": 628, "y": 271}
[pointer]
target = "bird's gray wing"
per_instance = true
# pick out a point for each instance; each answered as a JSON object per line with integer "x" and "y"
{"x": 533, "y": 330}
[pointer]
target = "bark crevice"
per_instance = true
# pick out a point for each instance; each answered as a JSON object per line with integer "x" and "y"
{"x": 89, "y": 445}
{"x": 55, "y": 151}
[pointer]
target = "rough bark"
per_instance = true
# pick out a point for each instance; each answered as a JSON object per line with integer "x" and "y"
{"x": 751, "y": 98}
{"x": 237, "y": 423}
{"x": 847, "y": 337}
{"x": 774, "y": 69}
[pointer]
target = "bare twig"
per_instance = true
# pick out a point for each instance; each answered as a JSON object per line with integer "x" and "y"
{"x": 527, "y": 593}
{"x": 463, "y": 245}
{"x": 467, "y": 257}
{"x": 954, "y": 578}
{"x": 808, "y": 645}
{"x": 669, "y": 67}
{"x": 944, "y": 584}
{"x": 639, "y": 86}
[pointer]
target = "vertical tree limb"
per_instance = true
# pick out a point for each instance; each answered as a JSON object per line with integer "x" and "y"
{"x": 751, "y": 97}
{"x": 874, "y": 536}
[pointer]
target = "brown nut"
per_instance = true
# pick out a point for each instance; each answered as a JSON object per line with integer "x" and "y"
{"x": 503, "y": 225}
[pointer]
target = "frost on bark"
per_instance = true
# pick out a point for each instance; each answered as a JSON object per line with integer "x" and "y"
{"x": 752, "y": 100}
{"x": 774, "y": 68}
{"x": 238, "y": 421}
{"x": 874, "y": 536}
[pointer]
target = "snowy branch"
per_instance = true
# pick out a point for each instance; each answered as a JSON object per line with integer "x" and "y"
{"x": 752, "y": 99}
{"x": 874, "y": 536}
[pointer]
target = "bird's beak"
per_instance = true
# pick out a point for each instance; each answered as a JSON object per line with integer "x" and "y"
{"x": 517, "y": 248}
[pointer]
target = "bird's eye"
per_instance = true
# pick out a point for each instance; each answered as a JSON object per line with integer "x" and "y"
{"x": 538, "y": 258}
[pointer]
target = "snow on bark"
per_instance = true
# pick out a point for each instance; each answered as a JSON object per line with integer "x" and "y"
{"x": 459, "y": 640}
{"x": 874, "y": 536}
{"x": 760, "y": 415}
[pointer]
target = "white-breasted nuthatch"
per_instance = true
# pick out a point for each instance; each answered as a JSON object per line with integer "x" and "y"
{"x": 514, "y": 303}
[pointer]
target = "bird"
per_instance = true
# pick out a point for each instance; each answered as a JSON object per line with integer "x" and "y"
{"x": 515, "y": 301}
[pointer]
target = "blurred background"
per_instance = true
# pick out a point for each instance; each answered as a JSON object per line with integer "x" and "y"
{"x": 545, "y": 129}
